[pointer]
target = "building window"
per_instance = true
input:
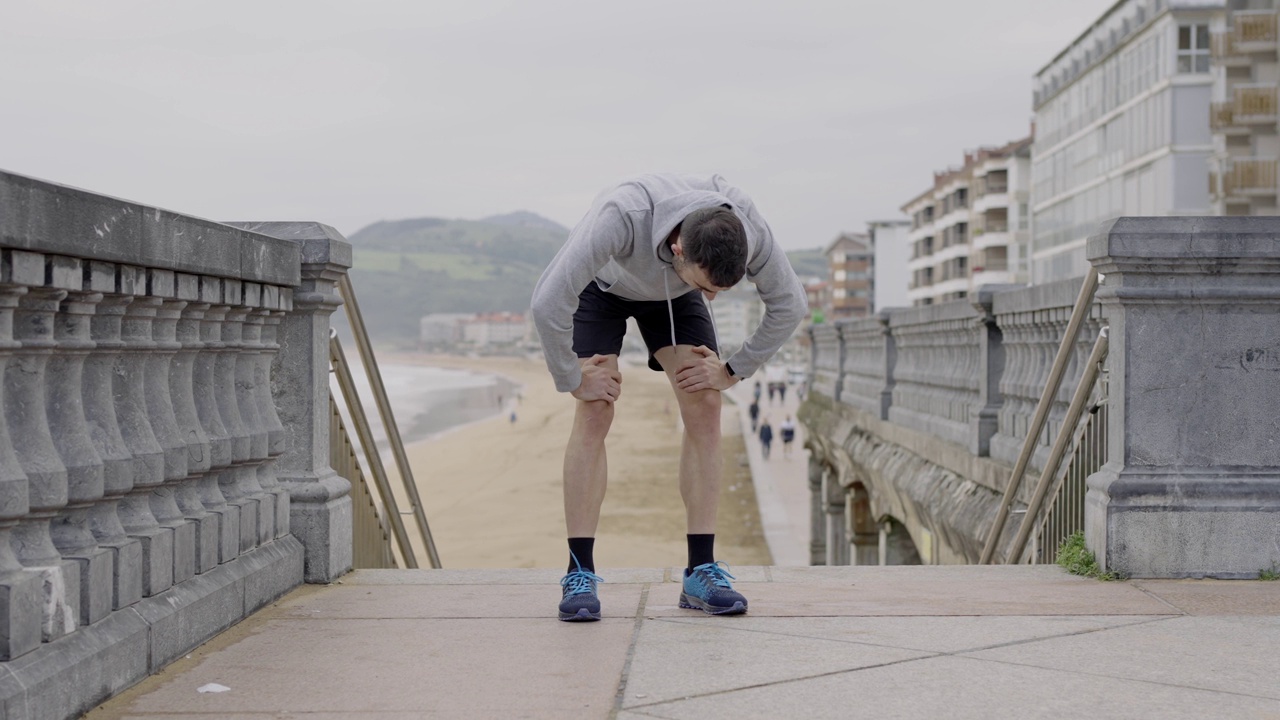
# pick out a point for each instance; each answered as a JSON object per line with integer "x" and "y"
{"x": 1193, "y": 48}
{"x": 841, "y": 275}
{"x": 837, "y": 258}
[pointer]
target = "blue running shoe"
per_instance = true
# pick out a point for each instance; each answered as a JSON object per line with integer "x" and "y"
{"x": 579, "y": 602}
{"x": 707, "y": 588}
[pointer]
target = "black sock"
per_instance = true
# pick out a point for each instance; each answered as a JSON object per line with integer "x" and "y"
{"x": 581, "y": 549}
{"x": 701, "y": 550}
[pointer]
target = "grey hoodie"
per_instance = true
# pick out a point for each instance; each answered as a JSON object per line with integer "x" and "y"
{"x": 621, "y": 245}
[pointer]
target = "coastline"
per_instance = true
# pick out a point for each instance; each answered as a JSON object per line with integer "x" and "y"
{"x": 491, "y": 488}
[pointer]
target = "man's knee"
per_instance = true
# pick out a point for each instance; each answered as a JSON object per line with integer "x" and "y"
{"x": 701, "y": 411}
{"x": 595, "y": 417}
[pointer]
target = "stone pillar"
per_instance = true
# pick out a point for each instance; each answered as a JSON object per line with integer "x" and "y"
{"x": 21, "y": 592}
{"x": 246, "y": 380}
{"x": 1192, "y": 485}
{"x": 320, "y": 502}
{"x": 890, "y": 360}
{"x": 836, "y": 521}
{"x": 233, "y": 481}
{"x": 27, "y": 417}
{"x": 817, "y": 515}
{"x": 985, "y": 413}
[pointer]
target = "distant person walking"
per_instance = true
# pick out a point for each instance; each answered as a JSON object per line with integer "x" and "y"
{"x": 658, "y": 248}
{"x": 766, "y": 437}
{"x": 756, "y": 392}
{"x": 754, "y": 412}
{"x": 788, "y": 428}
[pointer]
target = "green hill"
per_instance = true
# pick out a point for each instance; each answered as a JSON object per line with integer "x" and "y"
{"x": 405, "y": 269}
{"x": 809, "y": 263}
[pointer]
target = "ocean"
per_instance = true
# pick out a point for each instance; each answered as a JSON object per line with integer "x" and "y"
{"x": 428, "y": 401}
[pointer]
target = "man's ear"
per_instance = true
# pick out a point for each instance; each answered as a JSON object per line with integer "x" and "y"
{"x": 676, "y": 248}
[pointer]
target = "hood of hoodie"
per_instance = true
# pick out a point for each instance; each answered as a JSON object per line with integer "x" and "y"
{"x": 654, "y": 205}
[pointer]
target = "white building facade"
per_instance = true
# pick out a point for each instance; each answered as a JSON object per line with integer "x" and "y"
{"x": 1246, "y": 136}
{"x": 1122, "y": 127}
{"x": 971, "y": 228}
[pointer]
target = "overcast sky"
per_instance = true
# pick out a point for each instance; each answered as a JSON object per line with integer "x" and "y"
{"x": 828, "y": 113}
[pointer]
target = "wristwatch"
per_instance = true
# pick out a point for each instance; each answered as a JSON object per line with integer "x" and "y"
{"x": 729, "y": 369}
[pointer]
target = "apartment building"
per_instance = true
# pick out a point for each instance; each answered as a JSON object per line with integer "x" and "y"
{"x": 850, "y": 260}
{"x": 737, "y": 312}
{"x": 1122, "y": 127}
{"x": 1245, "y": 69}
{"x": 971, "y": 228}
{"x": 890, "y": 251}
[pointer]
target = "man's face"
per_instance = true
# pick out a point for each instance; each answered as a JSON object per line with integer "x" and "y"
{"x": 693, "y": 274}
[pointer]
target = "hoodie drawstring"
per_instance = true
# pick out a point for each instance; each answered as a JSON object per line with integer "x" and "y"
{"x": 671, "y": 315}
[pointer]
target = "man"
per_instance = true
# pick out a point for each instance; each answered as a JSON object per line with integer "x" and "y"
{"x": 657, "y": 248}
{"x": 788, "y": 429}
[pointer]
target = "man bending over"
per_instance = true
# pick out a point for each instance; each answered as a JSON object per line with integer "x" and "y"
{"x": 657, "y": 248}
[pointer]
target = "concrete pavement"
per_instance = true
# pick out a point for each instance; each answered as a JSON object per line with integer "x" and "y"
{"x": 782, "y": 481}
{"x": 840, "y": 642}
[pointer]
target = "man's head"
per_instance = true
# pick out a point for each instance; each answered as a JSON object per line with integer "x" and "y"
{"x": 711, "y": 252}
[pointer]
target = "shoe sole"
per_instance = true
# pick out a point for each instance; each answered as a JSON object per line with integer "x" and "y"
{"x": 693, "y": 603}
{"x": 583, "y": 615}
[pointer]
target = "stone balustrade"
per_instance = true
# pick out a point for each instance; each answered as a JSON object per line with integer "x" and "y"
{"x": 150, "y": 493}
{"x": 1192, "y": 484}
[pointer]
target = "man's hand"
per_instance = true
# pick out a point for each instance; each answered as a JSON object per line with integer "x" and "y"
{"x": 703, "y": 371}
{"x": 599, "y": 381}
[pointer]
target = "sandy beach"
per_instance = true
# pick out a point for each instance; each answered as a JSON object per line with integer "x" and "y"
{"x": 492, "y": 489}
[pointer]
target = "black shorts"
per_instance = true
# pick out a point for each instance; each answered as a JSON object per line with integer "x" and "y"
{"x": 601, "y": 321}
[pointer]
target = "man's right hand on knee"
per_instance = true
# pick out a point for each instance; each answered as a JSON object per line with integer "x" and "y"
{"x": 599, "y": 381}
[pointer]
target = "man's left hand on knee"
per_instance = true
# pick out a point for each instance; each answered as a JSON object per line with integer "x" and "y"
{"x": 702, "y": 370}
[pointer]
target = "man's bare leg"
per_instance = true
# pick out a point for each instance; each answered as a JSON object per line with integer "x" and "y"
{"x": 585, "y": 466}
{"x": 700, "y": 462}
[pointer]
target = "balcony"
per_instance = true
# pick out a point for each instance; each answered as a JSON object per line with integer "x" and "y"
{"x": 1245, "y": 178}
{"x": 1250, "y": 104}
{"x": 1225, "y": 51}
{"x": 1254, "y": 30}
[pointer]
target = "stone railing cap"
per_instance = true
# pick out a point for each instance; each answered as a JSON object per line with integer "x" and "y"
{"x": 1184, "y": 238}
{"x": 321, "y": 244}
{"x": 59, "y": 220}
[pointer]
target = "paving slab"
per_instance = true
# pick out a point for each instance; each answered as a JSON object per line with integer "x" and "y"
{"x": 964, "y": 689}
{"x": 1226, "y": 654}
{"x": 673, "y": 660}
{"x": 1217, "y": 597}
{"x": 448, "y": 601}
{"x": 452, "y": 668}
{"x": 1061, "y": 595}
{"x": 951, "y": 634}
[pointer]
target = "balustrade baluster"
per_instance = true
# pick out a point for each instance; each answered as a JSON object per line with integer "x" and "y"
{"x": 26, "y": 415}
{"x": 133, "y": 409}
{"x": 267, "y": 409}
{"x": 207, "y": 407}
{"x": 21, "y": 592}
{"x": 160, "y": 405}
{"x": 106, "y": 431}
{"x": 233, "y": 480}
{"x": 69, "y": 400}
{"x": 247, "y": 401}
{"x": 182, "y": 389}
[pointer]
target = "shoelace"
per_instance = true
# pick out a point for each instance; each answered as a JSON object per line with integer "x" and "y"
{"x": 720, "y": 577}
{"x": 579, "y": 581}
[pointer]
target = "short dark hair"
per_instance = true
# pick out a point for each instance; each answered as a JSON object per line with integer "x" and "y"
{"x": 714, "y": 240}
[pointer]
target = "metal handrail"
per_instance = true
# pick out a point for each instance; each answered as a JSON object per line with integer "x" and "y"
{"x": 342, "y": 370}
{"x": 371, "y": 543}
{"x": 388, "y": 419}
{"x": 1084, "y": 301}
{"x": 1060, "y": 446}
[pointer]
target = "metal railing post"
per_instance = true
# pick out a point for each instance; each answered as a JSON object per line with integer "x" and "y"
{"x": 1060, "y": 445}
{"x": 349, "y": 395}
{"x": 384, "y": 410}
{"x": 1078, "y": 314}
